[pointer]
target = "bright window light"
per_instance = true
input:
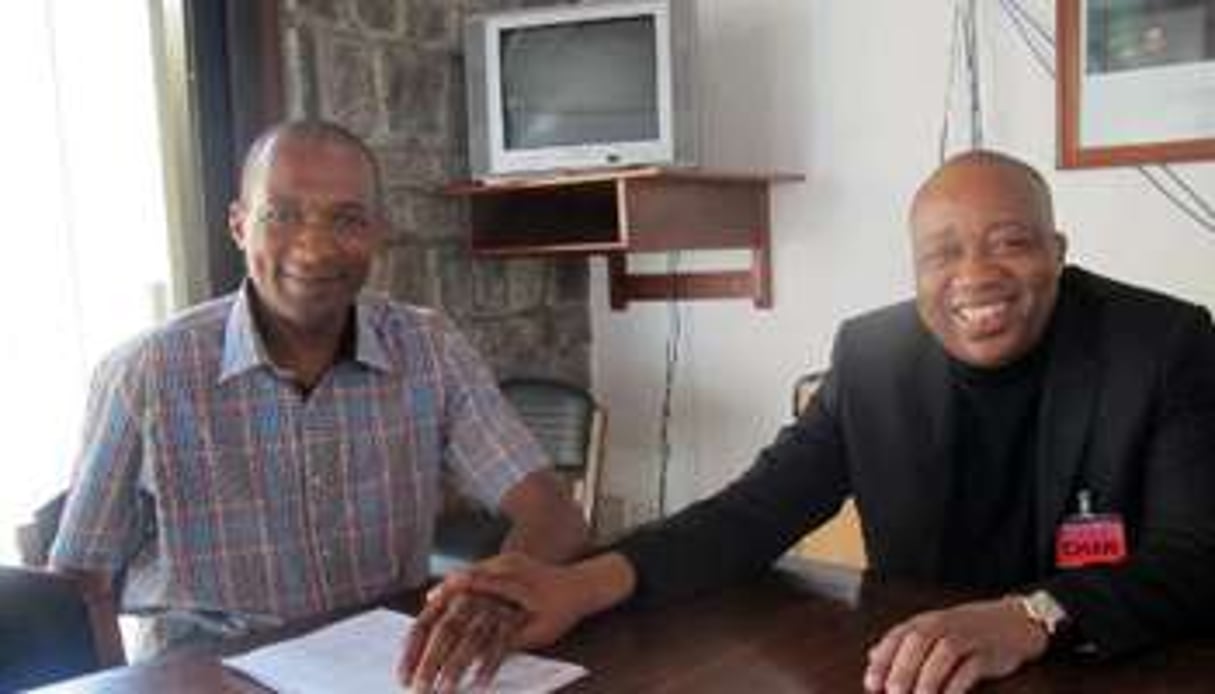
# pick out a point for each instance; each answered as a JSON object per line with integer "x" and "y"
{"x": 84, "y": 219}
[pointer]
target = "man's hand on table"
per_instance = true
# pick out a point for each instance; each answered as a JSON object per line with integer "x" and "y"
{"x": 479, "y": 615}
{"x": 953, "y": 649}
{"x": 455, "y": 631}
{"x": 552, "y": 597}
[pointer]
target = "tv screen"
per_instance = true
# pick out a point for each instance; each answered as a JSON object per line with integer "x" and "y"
{"x": 600, "y": 83}
{"x": 570, "y": 84}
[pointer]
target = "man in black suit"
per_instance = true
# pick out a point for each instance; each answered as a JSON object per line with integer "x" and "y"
{"x": 1027, "y": 429}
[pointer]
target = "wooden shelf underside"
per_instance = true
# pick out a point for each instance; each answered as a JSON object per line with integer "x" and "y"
{"x": 645, "y": 210}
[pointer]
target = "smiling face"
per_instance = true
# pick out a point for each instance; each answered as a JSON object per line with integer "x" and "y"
{"x": 987, "y": 258}
{"x": 308, "y": 225}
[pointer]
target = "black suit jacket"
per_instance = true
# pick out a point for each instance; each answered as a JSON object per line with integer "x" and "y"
{"x": 1127, "y": 411}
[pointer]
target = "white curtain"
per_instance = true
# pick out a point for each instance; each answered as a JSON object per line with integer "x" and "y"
{"x": 83, "y": 225}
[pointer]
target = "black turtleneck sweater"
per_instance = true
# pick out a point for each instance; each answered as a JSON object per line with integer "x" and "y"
{"x": 990, "y": 542}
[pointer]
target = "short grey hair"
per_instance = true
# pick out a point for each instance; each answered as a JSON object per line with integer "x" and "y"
{"x": 261, "y": 152}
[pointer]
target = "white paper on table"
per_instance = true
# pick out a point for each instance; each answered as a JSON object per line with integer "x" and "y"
{"x": 360, "y": 654}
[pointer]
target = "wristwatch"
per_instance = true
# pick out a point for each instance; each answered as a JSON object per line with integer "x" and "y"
{"x": 1043, "y": 610}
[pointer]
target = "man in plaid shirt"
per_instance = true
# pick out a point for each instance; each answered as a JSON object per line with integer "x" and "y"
{"x": 276, "y": 453}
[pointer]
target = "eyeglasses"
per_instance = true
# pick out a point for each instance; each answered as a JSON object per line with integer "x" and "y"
{"x": 347, "y": 222}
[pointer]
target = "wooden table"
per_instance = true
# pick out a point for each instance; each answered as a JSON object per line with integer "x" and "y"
{"x": 803, "y": 628}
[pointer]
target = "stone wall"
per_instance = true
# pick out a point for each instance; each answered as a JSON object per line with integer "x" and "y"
{"x": 391, "y": 71}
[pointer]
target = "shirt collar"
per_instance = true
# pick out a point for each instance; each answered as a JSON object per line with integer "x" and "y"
{"x": 244, "y": 349}
{"x": 368, "y": 345}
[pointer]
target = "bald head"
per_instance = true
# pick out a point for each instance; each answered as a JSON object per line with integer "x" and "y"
{"x": 306, "y": 133}
{"x": 1015, "y": 174}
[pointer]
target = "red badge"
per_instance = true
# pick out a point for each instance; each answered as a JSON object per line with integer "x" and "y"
{"x": 1087, "y": 538}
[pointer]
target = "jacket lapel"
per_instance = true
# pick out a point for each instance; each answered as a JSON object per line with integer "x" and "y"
{"x": 935, "y": 448}
{"x": 1065, "y": 415}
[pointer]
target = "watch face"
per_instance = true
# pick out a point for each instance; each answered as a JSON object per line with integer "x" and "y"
{"x": 1043, "y": 608}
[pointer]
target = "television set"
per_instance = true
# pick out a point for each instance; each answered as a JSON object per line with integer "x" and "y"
{"x": 599, "y": 83}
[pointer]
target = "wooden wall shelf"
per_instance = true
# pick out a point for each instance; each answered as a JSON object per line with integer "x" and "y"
{"x": 640, "y": 210}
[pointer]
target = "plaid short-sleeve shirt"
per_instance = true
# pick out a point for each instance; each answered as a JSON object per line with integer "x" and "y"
{"x": 221, "y": 490}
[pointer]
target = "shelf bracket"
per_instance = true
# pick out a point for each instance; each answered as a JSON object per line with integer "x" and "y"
{"x": 755, "y": 283}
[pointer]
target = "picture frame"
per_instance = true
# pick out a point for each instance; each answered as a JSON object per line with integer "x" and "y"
{"x": 1136, "y": 82}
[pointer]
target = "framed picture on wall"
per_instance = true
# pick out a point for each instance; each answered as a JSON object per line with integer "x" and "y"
{"x": 1136, "y": 81}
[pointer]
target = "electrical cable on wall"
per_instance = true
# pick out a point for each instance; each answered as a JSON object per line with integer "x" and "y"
{"x": 1032, "y": 33}
{"x": 1196, "y": 211}
{"x": 972, "y": 74}
{"x": 1205, "y": 207}
{"x": 674, "y": 337}
{"x": 943, "y": 140}
{"x": 964, "y": 43}
{"x": 1188, "y": 200}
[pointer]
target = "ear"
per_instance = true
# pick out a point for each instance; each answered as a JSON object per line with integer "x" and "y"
{"x": 1060, "y": 247}
{"x": 237, "y": 215}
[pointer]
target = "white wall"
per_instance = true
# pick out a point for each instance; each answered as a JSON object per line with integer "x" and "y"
{"x": 850, "y": 94}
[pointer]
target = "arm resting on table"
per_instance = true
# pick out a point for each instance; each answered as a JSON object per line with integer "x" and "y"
{"x": 545, "y": 522}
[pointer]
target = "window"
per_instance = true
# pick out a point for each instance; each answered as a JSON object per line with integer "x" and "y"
{"x": 84, "y": 225}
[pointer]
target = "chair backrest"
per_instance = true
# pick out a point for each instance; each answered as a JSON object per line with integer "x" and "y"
{"x": 34, "y": 538}
{"x": 53, "y": 626}
{"x": 570, "y": 425}
{"x": 839, "y": 540}
{"x": 804, "y": 390}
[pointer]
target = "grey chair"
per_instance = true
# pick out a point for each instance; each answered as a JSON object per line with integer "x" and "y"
{"x": 804, "y": 390}
{"x": 53, "y": 626}
{"x": 570, "y": 426}
{"x": 34, "y": 538}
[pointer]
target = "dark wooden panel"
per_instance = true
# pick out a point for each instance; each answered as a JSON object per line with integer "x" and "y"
{"x": 805, "y": 627}
{"x": 684, "y": 286}
{"x": 574, "y": 215}
{"x": 236, "y": 91}
{"x": 680, "y": 213}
